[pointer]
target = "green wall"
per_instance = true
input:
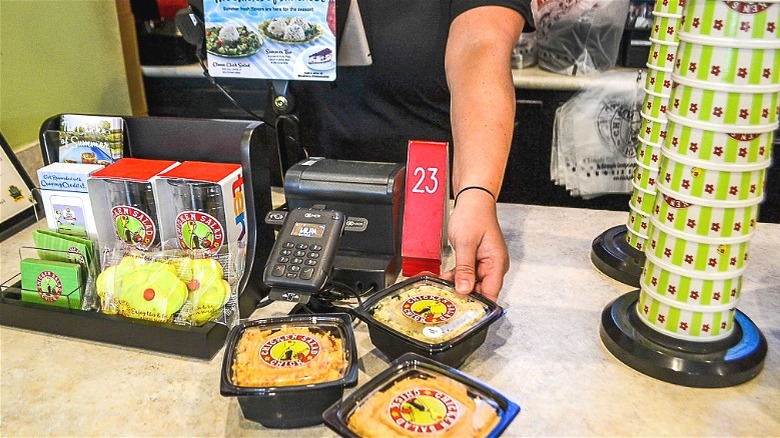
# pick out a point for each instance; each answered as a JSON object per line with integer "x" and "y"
{"x": 58, "y": 56}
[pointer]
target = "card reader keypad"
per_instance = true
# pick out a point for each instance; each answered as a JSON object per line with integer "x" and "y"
{"x": 297, "y": 261}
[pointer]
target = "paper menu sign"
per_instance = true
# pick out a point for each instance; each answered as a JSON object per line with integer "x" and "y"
{"x": 271, "y": 39}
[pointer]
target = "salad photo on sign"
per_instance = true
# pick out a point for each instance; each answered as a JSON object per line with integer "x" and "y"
{"x": 232, "y": 41}
{"x": 266, "y": 39}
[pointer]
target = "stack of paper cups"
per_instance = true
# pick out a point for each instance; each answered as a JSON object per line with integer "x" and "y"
{"x": 721, "y": 116}
{"x": 667, "y": 15}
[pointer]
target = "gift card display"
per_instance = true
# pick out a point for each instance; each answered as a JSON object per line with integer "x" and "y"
{"x": 51, "y": 282}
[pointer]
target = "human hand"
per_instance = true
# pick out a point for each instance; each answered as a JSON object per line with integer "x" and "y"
{"x": 481, "y": 256}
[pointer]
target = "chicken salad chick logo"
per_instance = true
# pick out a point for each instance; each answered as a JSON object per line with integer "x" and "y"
{"x": 423, "y": 411}
{"x": 196, "y": 230}
{"x": 133, "y": 226}
{"x": 428, "y": 309}
{"x": 49, "y": 286}
{"x": 289, "y": 350}
{"x": 74, "y": 255}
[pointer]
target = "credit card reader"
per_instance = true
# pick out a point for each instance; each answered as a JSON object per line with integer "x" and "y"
{"x": 301, "y": 260}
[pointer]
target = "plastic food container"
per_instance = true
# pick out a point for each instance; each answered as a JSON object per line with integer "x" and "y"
{"x": 425, "y": 315}
{"x": 286, "y": 371}
{"x": 416, "y": 397}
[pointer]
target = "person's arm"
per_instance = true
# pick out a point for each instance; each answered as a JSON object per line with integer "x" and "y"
{"x": 479, "y": 77}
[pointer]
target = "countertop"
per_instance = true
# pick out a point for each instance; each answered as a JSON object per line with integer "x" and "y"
{"x": 529, "y": 78}
{"x": 545, "y": 354}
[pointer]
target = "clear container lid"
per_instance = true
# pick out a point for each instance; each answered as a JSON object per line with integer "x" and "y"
{"x": 416, "y": 397}
{"x": 429, "y": 310}
{"x": 287, "y": 352}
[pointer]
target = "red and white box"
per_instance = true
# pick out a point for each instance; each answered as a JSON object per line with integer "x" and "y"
{"x": 218, "y": 208}
{"x": 425, "y": 207}
{"x": 133, "y": 220}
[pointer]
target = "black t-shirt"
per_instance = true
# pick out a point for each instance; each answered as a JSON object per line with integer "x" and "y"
{"x": 370, "y": 113}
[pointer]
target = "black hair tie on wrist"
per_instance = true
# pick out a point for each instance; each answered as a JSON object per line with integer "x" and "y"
{"x": 473, "y": 188}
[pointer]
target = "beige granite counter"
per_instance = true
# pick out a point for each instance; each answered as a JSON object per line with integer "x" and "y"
{"x": 545, "y": 354}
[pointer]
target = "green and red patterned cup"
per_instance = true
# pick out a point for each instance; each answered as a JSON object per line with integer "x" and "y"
{"x": 711, "y": 181}
{"x": 645, "y": 177}
{"x": 697, "y": 217}
{"x": 665, "y": 26}
{"x": 653, "y": 129}
{"x": 696, "y": 253}
{"x": 636, "y": 240}
{"x": 669, "y": 6}
{"x": 648, "y": 154}
{"x": 655, "y": 104}
{"x": 685, "y": 321}
{"x": 696, "y": 288}
{"x": 642, "y": 200}
{"x": 718, "y": 143}
{"x": 727, "y": 61}
{"x": 638, "y": 222}
{"x": 722, "y": 104}
{"x": 658, "y": 80}
{"x": 752, "y": 21}
{"x": 662, "y": 53}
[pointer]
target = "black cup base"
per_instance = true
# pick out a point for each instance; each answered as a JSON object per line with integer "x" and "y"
{"x": 718, "y": 364}
{"x": 612, "y": 255}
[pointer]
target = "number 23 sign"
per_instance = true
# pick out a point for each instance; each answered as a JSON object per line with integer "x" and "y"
{"x": 425, "y": 202}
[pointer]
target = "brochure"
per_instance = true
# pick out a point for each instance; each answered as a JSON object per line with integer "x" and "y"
{"x": 271, "y": 39}
{"x": 91, "y": 139}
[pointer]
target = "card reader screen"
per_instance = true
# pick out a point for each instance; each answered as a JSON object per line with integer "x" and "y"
{"x": 302, "y": 229}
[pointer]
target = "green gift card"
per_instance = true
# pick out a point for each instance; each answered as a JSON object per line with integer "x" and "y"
{"x": 52, "y": 282}
{"x": 64, "y": 248}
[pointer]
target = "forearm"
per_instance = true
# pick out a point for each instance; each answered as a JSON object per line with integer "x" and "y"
{"x": 482, "y": 94}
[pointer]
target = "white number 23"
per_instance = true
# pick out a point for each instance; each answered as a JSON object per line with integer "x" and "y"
{"x": 426, "y": 181}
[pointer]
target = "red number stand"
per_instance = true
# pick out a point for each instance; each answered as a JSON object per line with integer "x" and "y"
{"x": 425, "y": 207}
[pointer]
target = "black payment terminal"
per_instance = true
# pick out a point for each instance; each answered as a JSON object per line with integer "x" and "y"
{"x": 302, "y": 256}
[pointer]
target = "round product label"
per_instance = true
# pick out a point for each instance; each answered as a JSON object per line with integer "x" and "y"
{"x": 289, "y": 350}
{"x": 748, "y": 7}
{"x": 196, "y": 230}
{"x": 428, "y": 309}
{"x": 423, "y": 411}
{"x": 133, "y": 226}
{"x": 49, "y": 286}
{"x": 75, "y": 256}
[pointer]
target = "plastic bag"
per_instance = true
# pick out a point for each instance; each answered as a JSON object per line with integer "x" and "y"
{"x": 178, "y": 287}
{"x": 595, "y": 137}
{"x": 577, "y": 37}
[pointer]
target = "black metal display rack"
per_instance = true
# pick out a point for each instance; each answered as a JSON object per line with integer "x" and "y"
{"x": 227, "y": 141}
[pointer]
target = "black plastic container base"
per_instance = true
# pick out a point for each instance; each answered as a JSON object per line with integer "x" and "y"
{"x": 717, "y": 364}
{"x": 197, "y": 342}
{"x": 613, "y": 256}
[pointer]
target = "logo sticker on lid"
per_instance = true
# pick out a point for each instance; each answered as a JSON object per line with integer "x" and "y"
{"x": 424, "y": 411}
{"x": 289, "y": 350}
{"x": 428, "y": 309}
